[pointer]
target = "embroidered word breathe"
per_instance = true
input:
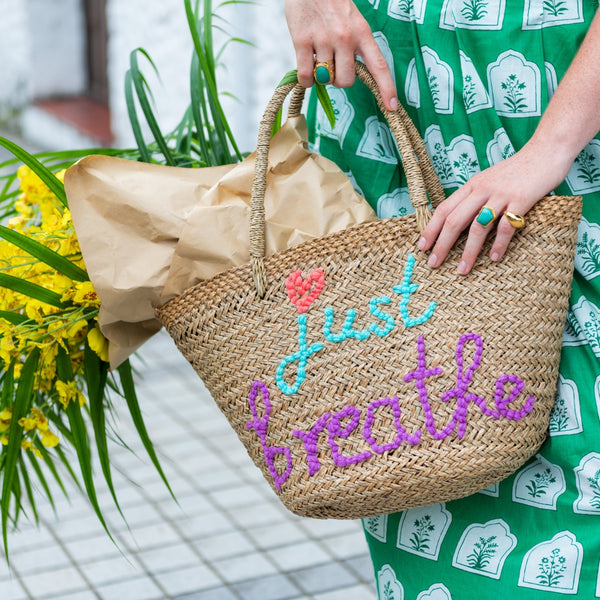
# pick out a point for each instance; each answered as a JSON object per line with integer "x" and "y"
{"x": 342, "y": 424}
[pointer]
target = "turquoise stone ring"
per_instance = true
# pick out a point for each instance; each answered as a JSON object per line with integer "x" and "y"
{"x": 486, "y": 216}
{"x": 323, "y": 72}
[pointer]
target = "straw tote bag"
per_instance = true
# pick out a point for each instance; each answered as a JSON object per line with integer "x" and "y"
{"x": 363, "y": 382}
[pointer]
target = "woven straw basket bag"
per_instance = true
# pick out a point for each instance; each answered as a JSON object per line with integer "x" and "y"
{"x": 363, "y": 382}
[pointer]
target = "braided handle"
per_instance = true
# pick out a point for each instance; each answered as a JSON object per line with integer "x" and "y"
{"x": 417, "y": 165}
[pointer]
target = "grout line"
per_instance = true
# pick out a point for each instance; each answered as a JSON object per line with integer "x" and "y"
{"x": 64, "y": 548}
{"x": 183, "y": 537}
{"x": 18, "y": 577}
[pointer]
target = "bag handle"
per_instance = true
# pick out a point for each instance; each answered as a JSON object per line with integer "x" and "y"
{"x": 417, "y": 165}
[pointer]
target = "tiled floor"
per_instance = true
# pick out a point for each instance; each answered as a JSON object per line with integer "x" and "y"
{"x": 228, "y": 539}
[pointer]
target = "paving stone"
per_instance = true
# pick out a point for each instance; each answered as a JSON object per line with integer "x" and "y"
{"x": 323, "y": 578}
{"x": 276, "y": 587}
{"x": 220, "y": 593}
{"x": 191, "y": 579}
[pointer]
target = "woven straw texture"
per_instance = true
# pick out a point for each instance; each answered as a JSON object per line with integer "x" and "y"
{"x": 444, "y": 375}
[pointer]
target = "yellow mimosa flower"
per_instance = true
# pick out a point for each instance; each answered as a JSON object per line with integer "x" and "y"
{"x": 98, "y": 343}
{"x": 85, "y": 294}
{"x": 69, "y": 392}
{"x": 50, "y": 440}
{"x": 27, "y": 423}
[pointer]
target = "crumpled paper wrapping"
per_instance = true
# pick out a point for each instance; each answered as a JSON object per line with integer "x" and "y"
{"x": 149, "y": 232}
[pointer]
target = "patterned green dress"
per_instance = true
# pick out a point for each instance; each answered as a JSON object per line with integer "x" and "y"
{"x": 475, "y": 76}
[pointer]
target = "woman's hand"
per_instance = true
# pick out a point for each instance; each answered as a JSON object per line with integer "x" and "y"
{"x": 335, "y": 30}
{"x": 513, "y": 185}
{"x": 570, "y": 121}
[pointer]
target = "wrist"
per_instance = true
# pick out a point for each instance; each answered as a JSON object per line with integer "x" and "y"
{"x": 552, "y": 155}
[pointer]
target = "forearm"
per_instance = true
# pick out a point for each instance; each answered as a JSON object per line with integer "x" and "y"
{"x": 572, "y": 117}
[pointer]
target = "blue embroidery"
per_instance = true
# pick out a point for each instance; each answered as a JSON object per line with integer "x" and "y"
{"x": 347, "y": 331}
{"x": 376, "y": 312}
{"x": 301, "y": 356}
{"x": 405, "y": 290}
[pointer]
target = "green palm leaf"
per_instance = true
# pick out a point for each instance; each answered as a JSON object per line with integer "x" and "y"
{"x": 55, "y": 185}
{"x": 50, "y": 257}
{"x": 32, "y": 290}
{"x": 11, "y": 452}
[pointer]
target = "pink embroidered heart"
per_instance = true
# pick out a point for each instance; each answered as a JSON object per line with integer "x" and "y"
{"x": 303, "y": 292}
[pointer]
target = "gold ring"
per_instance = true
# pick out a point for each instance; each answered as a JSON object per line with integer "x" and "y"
{"x": 486, "y": 216}
{"x": 517, "y": 221}
{"x": 324, "y": 72}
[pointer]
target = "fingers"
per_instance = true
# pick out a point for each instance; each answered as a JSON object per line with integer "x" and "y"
{"x": 335, "y": 30}
{"x": 379, "y": 68}
{"x": 306, "y": 63}
{"x": 463, "y": 211}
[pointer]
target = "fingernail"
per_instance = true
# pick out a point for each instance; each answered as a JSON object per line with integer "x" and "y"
{"x": 394, "y": 103}
{"x": 432, "y": 262}
{"x": 495, "y": 256}
{"x": 462, "y": 267}
{"x": 422, "y": 243}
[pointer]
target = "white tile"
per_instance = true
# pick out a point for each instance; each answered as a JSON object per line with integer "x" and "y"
{"x": 135, "y": 516}
{"x": 238, "y": 496}
{"x": 281, "y": 534}
{"x": 191, "y": 579}
{"x": 83, "y": 595}
{"x": 205, "y": 524}
{"x": 250, "y": 566}
{"x": 151, "y": 536}
{"x": 299, "y": 556}
{"x": 44, "y": 558}
{"x": 92, "y": 548}
{"x": 142, "y": 588}
{"x": 11, "y": 589}
{"x": 127, "y": 495}
{"x": 190, "y": 504}
{"x": 28, "y": 537}
{"x": 358, "y": 592}
{"x": 215, "y": 479}
{"x": 224, "y": 545}
{"x": 323, "y": 529}
{"x": 167, "y": 558}
{"x": 346, "y": 546}
{"x": 40, "y": 583}
{"x": 111, "y": 569}
{"x": 255, "y": 516}
{"x": 80, "y": 527}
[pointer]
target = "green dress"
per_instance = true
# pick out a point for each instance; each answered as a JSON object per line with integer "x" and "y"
{"x": 475, "y": 75}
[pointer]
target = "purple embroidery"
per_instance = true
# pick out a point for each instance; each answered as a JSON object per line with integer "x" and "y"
{"x": 336, "y": 430}
{"x": 460, "y": 392}
{"x": 420, "y": 374}
{"x": 311, "y": 440}
{"x": 462, "y": 383}
{"x": 502, "y": 401}
{"x": 260, "y": 426}
{"x": 402, "y": 435}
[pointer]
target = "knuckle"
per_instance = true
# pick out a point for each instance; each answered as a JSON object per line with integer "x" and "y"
{"x": 344, "y": 80}
{"x": 505, "y": 228}
{"x": 454, "y": 222}
{"x": 343, "y": 36}
{"x": 378, "y": 64}
{"x": 305, "y": 76}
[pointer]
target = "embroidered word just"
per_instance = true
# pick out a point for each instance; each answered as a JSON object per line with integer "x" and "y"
{"x": 340, "y": 425}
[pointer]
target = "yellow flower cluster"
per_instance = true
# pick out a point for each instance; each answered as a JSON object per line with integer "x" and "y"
{"x": 40, "y": 216}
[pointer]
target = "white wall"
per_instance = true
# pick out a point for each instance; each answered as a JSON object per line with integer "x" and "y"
{"x": 58, "y": 51}
{"x": 249, "y": 74}
{"x": 14, "y": 57}
{"x": 42, "y": 53}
